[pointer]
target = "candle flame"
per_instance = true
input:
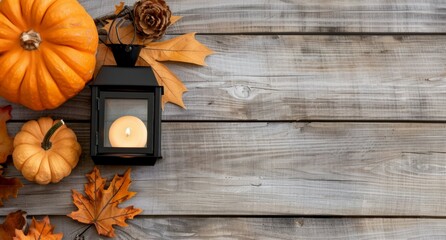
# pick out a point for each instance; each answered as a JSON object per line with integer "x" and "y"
{"x": 127, "y": 132}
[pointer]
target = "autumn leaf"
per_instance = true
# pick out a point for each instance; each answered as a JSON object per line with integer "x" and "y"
{"x": 100, "y": 206}
{"x": 8, "y": 187}
{"x": 174, "y": 19}
{"x": 119, "y": 7}
{"x": 126, "y": 32}
{"x": 5, "y": 140}
{"x": 173, "y": 87}
{"x": 184, "y": 48}
{"x": 14, "y": 220}
{"x": 39, "y": 229}
{"x": 104, "y": 56}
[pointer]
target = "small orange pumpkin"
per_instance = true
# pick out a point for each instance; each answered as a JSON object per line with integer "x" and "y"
{"x": 47, "y": 51}
{"x": 45, "y": 150}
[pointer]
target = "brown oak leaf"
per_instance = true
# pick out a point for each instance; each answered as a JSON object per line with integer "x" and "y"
{"x": 100, "y": 206}
{"x": 8, "y": 187}
{"x": 39, "y": 229}
{"x": 14, "y": 220}
{"x": 5, "y": 140}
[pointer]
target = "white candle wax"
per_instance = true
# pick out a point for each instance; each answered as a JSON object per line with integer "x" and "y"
{"x": 128, "y": 132}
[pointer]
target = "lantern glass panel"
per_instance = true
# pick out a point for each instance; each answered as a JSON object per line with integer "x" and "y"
{"x": 129, "y": 136}
{"x": 125, "y": 119}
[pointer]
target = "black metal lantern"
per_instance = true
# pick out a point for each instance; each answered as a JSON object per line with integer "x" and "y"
{"x": 126, "y": 116}
{"x": 125, "y": 111}
{"x": 125, "y": 108}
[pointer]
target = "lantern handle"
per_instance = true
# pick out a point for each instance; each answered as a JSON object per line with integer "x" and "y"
{"x": 125, "y": 11}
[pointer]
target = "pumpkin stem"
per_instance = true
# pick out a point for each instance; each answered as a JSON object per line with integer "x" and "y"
{"x": 30, "y": 40}
{"x": 46, "y": 144}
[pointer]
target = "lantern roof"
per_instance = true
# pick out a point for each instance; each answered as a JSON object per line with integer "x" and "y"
{"x": 125, "y": 76}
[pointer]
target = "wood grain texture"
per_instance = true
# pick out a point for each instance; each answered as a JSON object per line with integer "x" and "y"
{"x": 285, "y": 61}
{"x": 99, "y": 8}
{"x": 299, "y": 16}
{"x": 353, "y": 169}
{"x": 317, "y": 78}
{"x": 77, "y": 108}
{"x": 305, "y": 77}
{"x": 144, "y": 228}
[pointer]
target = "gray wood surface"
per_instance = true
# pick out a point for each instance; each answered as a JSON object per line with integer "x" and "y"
{"x": 305, "y": 77}
{"x": 375, "y": 67}
{"x": 144, "y": 228}
{"x": 353, "y": 169}
{"x": 299, "y": 16}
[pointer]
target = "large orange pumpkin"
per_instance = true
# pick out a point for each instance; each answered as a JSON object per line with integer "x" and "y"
{"x": 47, "y": 51}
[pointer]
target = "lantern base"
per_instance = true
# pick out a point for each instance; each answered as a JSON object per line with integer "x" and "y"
{"x": 111, "y": 159}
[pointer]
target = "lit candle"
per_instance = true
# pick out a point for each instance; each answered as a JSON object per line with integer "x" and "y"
{"x": 128, "y": 131}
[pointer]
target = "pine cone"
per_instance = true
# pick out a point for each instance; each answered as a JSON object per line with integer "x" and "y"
{"x": 152, "y": 17}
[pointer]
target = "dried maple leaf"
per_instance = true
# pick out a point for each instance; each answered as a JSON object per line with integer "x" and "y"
{"x": 184, "y": 48}
{"x": 126, "y": 32}
{"x": 8, "y": 187}
{"x": 103, "y": 57}
{"x": 119, "y": 7}
{"x": 14, "y": 220}
{"x": 39, "y": 229}
{"x": 5, "y": 139}
{"x": 173, "y": 87}
{"x": 100, "y": 206}
{"x": 174, "y": 19}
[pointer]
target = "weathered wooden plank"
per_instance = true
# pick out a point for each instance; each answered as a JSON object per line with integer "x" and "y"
{"x": 306, "y": 77}
{"x": 264, "y": 228}
{"x": 317, "y": 77}
{"x": 77, "y": 108}
{"x": 99, "y": 8}
{"x": 299, "y": 16}
{"x": 381, "y": 169}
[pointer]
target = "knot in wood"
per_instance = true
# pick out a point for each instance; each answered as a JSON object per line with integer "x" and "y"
{"x": 242, "y": 92}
